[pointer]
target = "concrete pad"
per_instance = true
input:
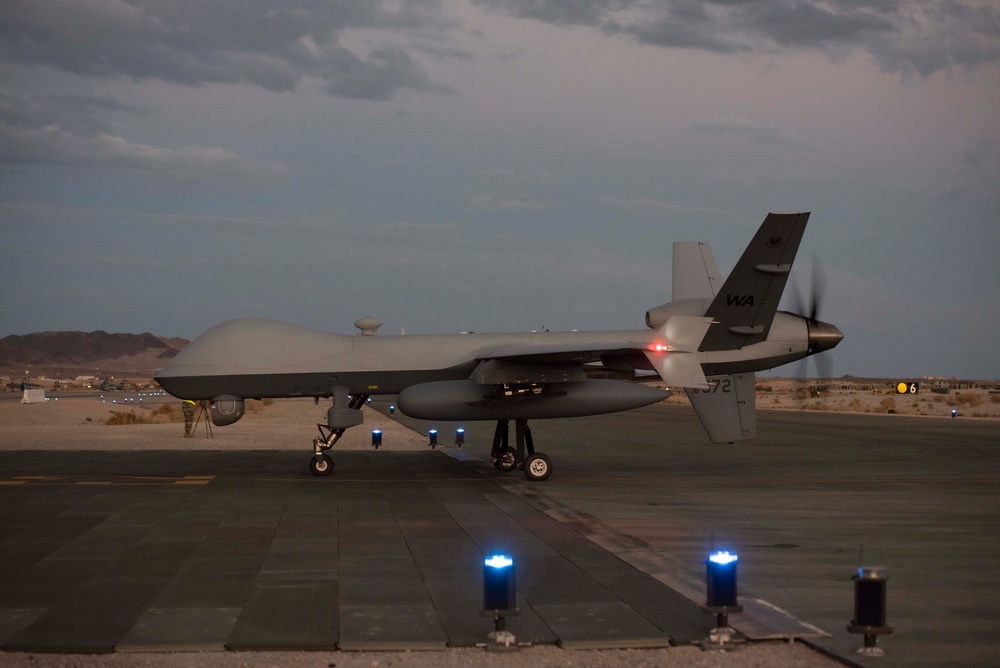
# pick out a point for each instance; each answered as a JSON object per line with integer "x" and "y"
{"x": 389, "y": 558}
{"x": 48, "y": 583}
{"x": 13, "y": 620}
{"x": 289, "y": 613}
{"x": 92, "y": 620}
{"x": 611, "y": 625}
{"x": 594, "y": 544}
{"x": 797, "y": 504}
{"x": 180, "y": 630}
{"x": 365, "y": 628}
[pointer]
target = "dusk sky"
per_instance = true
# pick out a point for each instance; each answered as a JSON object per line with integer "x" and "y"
{"x": 499, "y": 165}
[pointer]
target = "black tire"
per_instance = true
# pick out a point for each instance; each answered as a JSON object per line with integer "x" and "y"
{"x": 537, "y": 467}
{"x": 507, "y": 461}
{"x": 322, "y": 465}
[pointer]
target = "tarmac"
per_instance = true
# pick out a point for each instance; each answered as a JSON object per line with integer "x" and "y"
{"x": 181, "y": 549}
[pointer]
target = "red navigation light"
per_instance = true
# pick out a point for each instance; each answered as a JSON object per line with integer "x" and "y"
{"x": 658, "y": 347}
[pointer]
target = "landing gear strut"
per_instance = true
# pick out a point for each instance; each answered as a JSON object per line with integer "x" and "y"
{"x": 536, "y": 466}
{"x": 322, "y": 464}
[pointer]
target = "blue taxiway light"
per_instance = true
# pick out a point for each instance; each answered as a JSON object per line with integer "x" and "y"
{"x": 499, "y": 561}
{"x": 722, "y": 558}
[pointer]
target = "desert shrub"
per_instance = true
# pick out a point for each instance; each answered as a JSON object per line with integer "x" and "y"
{"x": 267, "y": 402}
{"x": 968, "y": 399}
{"x": 166, "y": 413}
{"x": 855, "y": 405}
{"x": 126, "y": 417}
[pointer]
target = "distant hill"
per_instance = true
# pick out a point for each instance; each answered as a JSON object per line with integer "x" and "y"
{"x": 84, "y": 349}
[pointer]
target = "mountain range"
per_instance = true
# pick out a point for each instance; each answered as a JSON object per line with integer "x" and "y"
{"x": 88, "y": 349}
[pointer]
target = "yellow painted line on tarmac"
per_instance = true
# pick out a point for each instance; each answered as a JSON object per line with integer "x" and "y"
{"x": 117, "y": 481}
{"x": 333, "y": 478}
{"x": 195, "y": 480}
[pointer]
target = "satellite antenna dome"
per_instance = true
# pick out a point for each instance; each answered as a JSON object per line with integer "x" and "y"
{"x": 368, "y": 325}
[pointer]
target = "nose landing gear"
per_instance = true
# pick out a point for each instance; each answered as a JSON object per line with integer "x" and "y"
{"x": 322, "y": 464}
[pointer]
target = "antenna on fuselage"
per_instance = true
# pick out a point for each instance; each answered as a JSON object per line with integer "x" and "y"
{"x": 368, "y": 325}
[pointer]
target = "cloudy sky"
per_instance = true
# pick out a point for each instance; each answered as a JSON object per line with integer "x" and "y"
{"x": 499, "y": 165}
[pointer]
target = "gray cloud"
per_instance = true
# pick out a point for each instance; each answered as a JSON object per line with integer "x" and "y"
{"x": 911, "y": 37}
{"x": 65, "y": 130}
{"x": 984, "y": 155}
{"x": 192, "y": 42}
{"x": 565, "y": 12}
{"x": 55, "y": 145}
{"x": 386, "y": 71}
{"x": 81, "y": 114}
{"x": 761, "y": 135}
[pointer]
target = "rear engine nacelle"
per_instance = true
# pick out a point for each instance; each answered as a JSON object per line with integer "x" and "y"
{"x": 226, "y": 409}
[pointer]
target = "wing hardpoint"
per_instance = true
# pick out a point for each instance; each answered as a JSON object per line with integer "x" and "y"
{"x": 744, "y": 308}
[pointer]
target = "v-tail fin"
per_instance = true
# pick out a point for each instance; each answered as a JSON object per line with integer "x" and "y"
{"x": 745, "y": 306}
{"x": 727, "y": 409}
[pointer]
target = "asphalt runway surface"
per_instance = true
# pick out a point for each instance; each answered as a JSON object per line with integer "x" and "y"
{"x": 153, "y": 550}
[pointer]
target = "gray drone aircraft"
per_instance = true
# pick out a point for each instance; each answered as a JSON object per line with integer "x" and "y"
{"x": 709, "y": 341}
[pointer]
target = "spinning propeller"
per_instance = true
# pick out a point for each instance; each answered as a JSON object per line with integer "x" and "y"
{"x": 822, "y": 335}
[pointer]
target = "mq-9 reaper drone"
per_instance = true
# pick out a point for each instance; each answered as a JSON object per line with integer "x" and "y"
{"x": 709, "y": 340}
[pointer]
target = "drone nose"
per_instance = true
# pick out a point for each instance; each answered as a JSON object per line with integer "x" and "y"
{"x": 823, "y": 336}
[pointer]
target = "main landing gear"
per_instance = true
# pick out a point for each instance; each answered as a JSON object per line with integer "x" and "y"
{"x": 536, "y": 466}
{"x": 322, "y": 464}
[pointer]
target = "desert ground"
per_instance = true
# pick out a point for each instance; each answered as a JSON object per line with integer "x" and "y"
{"x": 122, "y": 422}
{"x": 268, "y": 422}
{"x": 969, "y": 399}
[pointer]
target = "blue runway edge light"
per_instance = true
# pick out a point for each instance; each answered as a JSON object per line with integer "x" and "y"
{"x": 499, "y": 561}
{"x": 722, "y": 558}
